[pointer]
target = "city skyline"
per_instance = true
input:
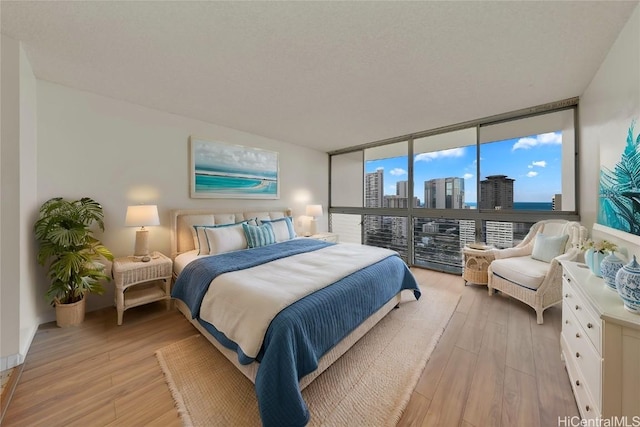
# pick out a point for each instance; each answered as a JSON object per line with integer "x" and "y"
{"x": 534, "y": 162}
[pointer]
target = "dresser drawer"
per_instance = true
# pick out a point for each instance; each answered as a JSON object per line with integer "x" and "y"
{"x": 583, "y": 355}
{"x": 586, "y": 403}
{"x": 586, "y": 318}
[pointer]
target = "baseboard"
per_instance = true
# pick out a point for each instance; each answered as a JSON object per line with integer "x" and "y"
{"x": 9, "y": 389}
{"x": 10, "y": 361}
{"x": 26, "y": 338}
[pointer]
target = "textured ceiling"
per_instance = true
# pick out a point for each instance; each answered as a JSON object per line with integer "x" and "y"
{"x": 325, "y": 75}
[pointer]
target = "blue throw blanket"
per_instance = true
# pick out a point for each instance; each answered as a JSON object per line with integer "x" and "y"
{"x": 303, "y": 332}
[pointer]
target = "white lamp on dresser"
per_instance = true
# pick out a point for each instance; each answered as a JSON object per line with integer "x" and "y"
{"x": 314, "y": 211}
{"x": 141, "y": 216}
{"x": 600, "y": 343}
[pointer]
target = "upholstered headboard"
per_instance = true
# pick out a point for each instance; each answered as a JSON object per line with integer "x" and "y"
{"x": 182, "y": 221}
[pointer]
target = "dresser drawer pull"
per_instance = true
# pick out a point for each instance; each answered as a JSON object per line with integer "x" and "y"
{"x": 587, "y": 408}
{"x": 589, "y": 325}
{"x": 577, "y": 334}
{"x": 566, "y": 322}
{"x": 569, "y": 279}
{"x": 577, "y": 354}
{"x": 577, "y": 307}
{"x": 566, "y": 295}
{"x": 577, "y": 382}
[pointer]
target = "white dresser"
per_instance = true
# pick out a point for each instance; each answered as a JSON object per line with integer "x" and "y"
{"x": 600, "y": 345}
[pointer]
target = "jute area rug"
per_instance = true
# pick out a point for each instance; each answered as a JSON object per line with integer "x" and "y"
{"x": 370, "y": 385}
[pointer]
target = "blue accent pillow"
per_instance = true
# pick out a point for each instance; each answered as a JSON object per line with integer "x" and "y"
{"x": 259, "y": 235}
{"x": 546, "y": 248}
{"x": 282, "y": 228}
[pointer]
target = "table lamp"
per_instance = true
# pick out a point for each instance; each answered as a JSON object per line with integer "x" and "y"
{"x": 314, "y": 211}
{"x": 139, "y": 216}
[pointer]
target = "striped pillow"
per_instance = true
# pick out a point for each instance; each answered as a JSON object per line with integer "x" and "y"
{"x": 282, "y": 228}
{"x": 259, "y": 235}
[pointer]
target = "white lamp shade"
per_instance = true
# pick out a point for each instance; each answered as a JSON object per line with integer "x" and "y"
{"x": 141, "y": 215}
{"x": 314, "y": 210}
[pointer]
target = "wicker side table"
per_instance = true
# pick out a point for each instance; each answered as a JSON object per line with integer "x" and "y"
{"x": 476, "y": 263}
{"x": 149, "y": 281}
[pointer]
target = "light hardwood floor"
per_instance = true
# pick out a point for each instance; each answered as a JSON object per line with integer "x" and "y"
{"x": 494, "y": 366}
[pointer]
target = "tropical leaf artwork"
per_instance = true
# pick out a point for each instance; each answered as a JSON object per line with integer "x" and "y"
{"x": 620, "y": 189}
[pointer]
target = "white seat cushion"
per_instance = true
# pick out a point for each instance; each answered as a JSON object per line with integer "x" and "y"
{"x": 524, "y": 270}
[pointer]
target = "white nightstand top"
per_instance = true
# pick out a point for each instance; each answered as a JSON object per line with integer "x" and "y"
{"x": 327, "y": 237}
{"x": 131, "y": 270}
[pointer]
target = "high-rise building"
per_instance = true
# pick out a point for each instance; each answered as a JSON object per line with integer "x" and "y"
{"x": 467, "y": 232}
{"x": 431, "y": 227}
{"x": 496, "y": 192}
{"x": 394, "y": 202}
{"x": 373, "y": 198}
{"x": 444, "y": 193}
{"x": 398, "y": 202}
{"x": 374, "y": 189}
{"x": 499, "y": 234}
{"x": 402, "y": 188}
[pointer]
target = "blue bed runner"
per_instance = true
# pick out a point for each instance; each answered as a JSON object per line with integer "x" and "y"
{"x": 303, "y": 332}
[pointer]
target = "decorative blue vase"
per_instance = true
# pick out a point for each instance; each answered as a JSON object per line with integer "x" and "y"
{"x": 609, "y": 268}
{"x": 628, "y": 285}
{"x": 593, "y": 259}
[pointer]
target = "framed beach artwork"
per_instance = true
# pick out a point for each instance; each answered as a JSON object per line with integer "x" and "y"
{"x": 225, "y": 170}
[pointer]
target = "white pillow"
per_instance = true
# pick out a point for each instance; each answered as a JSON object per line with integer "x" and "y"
{"x": 546, "y": 248}
{"x": 282, "y": 228}
{"x": 224, "y": 239}
{"x": 202, "y": 244}
{"x": 192, "y": 221}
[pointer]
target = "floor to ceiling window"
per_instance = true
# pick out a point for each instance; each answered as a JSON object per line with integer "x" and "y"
{"x": 487, "y": 180}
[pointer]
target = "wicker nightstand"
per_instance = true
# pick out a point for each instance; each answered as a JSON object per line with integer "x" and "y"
{"x": 476, "y": 263}
{"x": 149, "y": 281}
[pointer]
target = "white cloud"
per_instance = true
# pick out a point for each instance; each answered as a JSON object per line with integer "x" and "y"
{"x": 531, "y": 174}
{"x": 541, "y": 163}
{"x": 467, "y": 176}
{"x": 427, "y": 157}
{"x": 397, "y": 171}
{"x": 380, "y": 168}
{"x": 542, "y": 139}
{"x": 530, "y": 166}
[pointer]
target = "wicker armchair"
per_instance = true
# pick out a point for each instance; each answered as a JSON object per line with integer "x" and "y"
{"x": 536, "y": 283}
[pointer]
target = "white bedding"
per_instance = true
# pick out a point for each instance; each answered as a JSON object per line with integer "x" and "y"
{"x": 181, "y": 261}
{"x": 242, "y": 304}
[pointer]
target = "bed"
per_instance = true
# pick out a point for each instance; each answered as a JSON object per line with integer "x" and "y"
{"x": 282, "y": 311}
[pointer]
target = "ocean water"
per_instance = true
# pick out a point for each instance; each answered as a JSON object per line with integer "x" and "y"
{"x": 228, "y": 171}
{"x": 528, "y": 206}
{"x": 234, "y": 184}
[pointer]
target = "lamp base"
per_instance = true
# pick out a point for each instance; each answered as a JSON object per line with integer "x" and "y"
{"x": 313, "y": 226}
{"x": 142, "y": 243}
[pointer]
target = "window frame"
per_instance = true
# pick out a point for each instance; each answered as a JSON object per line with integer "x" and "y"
{"x": 479, "y": 215}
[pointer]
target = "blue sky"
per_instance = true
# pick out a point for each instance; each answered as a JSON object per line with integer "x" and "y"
{"x": 535, "y": 162}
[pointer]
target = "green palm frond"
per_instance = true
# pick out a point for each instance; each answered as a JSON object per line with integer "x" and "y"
{"x": 69, "y": 249}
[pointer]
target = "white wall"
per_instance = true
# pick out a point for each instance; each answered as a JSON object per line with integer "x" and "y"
{"x": 121, "y": 154}
{"x": 28, "y": 204}
{"x": 607, "y": 106}
{"x": 18, "y": 319}
{"x": 10, "y": 196}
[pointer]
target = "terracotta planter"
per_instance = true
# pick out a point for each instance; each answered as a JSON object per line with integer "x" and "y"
{"x": 70, "y": 314}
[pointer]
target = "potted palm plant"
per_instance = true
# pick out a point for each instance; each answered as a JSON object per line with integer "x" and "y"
{"x": 72, "y": 254}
